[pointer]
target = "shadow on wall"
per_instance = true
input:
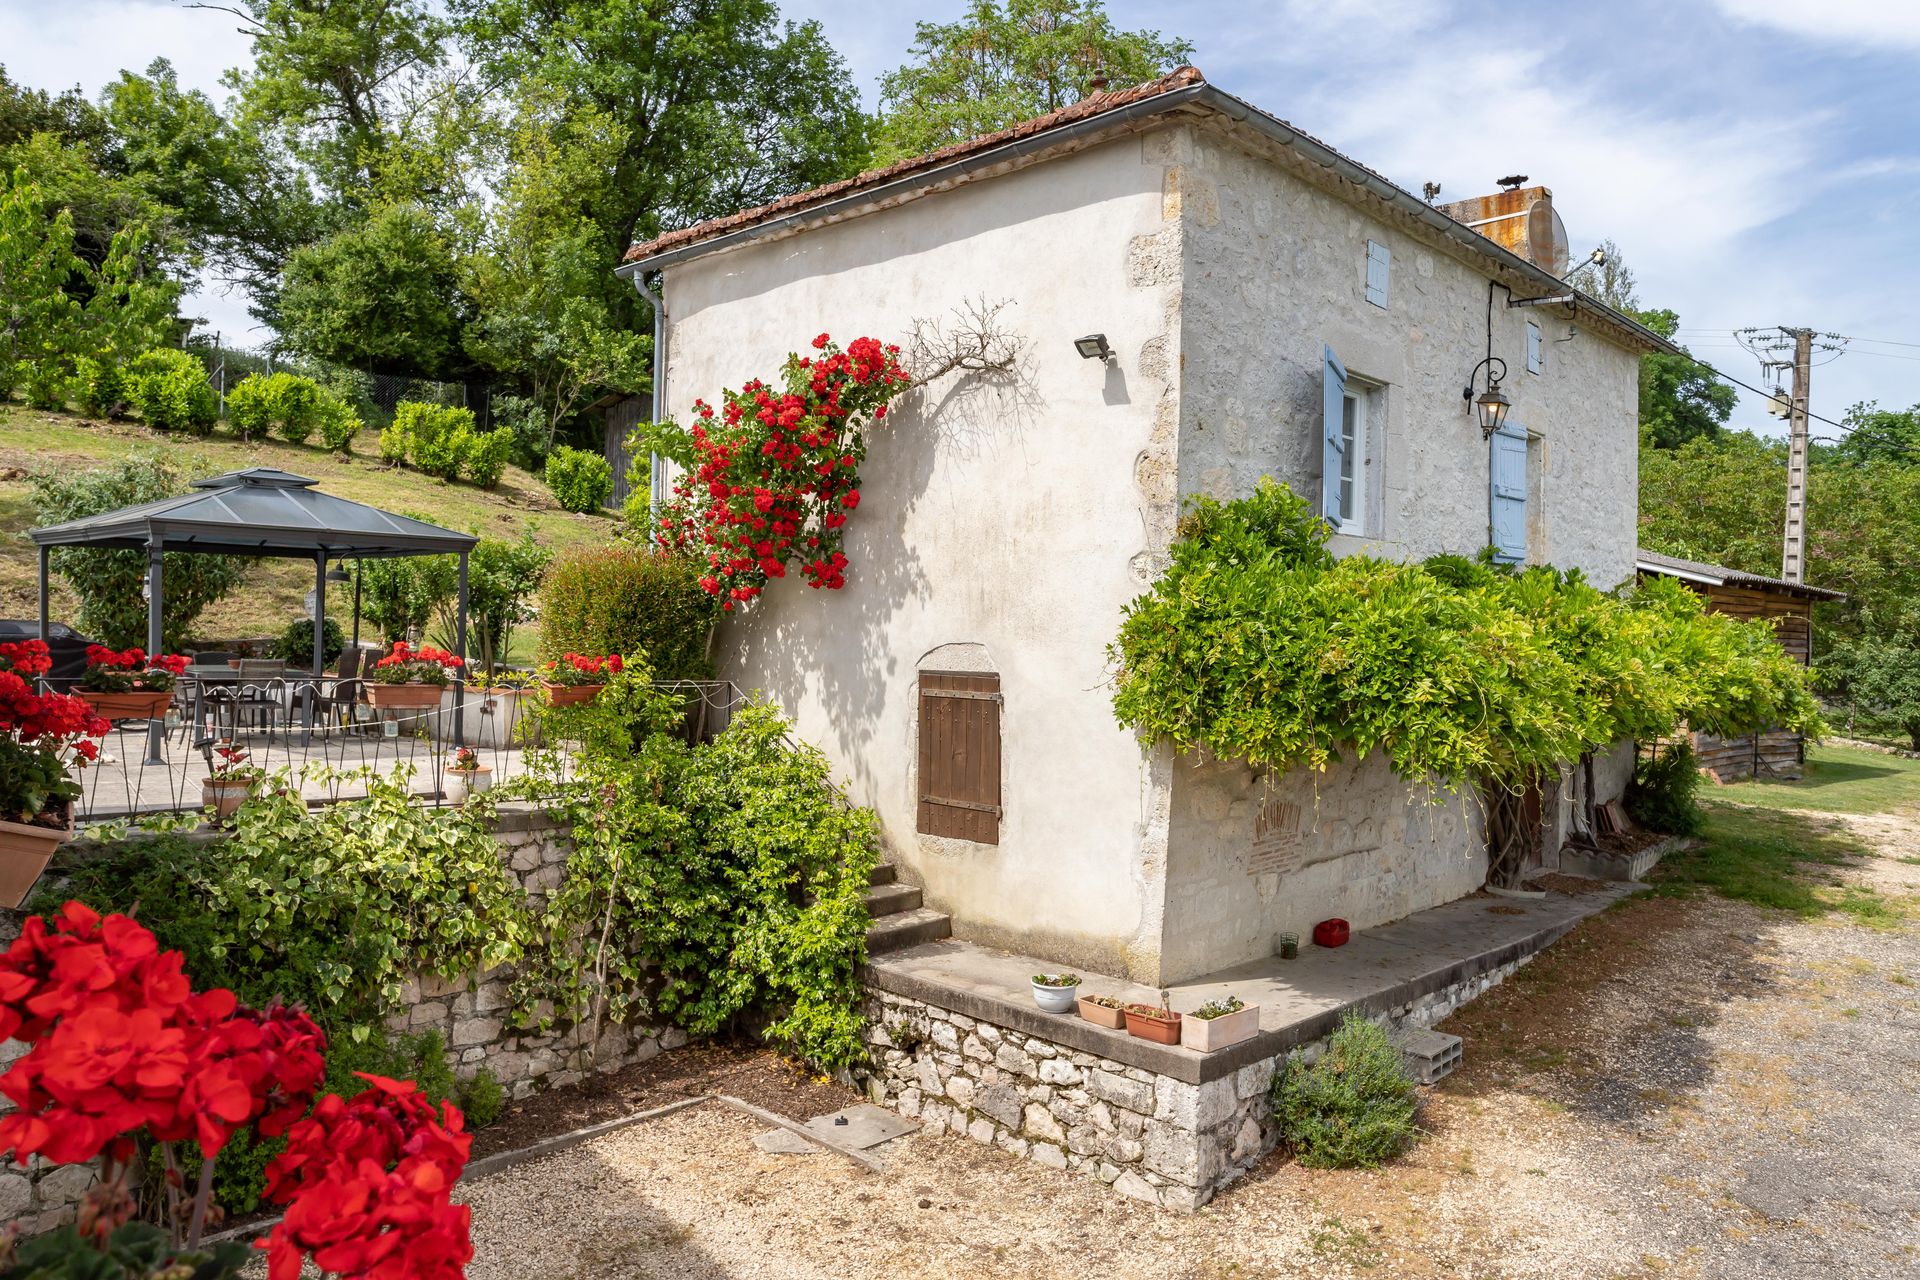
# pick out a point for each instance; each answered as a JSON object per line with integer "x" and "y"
{"x": 839, "y": 642}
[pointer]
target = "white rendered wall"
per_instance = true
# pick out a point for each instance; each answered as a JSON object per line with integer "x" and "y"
{"x": 1002, "y": 527}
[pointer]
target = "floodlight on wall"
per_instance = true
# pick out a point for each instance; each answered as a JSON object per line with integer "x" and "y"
{"x": 1093, "y": 347}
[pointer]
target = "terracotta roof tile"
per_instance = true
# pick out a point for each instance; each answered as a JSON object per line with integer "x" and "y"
{"x": 1093, "y": 105}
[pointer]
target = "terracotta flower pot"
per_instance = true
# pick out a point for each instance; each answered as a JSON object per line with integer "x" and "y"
{"x": 25, "y": 848}
{"x": 140, "y": 704}
{"x": 462, "y": 783}
{"x": 1208, "y": 1034}
{"x": 1101, "y": 1015}
{"x": 1151, "y": 1027}
{"x": 404, "y": 697}
{"x": 224, "y": 796}
{"x": 571, "y": 695}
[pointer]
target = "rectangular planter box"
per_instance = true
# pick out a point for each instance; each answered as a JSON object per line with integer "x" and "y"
{"x": 1204, "y": 1035}
{"x": 1101, "y": 1016}
{"x": 492, "y": 716}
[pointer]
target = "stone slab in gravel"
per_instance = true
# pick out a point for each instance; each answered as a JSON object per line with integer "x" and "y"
{"x": 783, "y": 1142}
{"x": 861, "y": 1126}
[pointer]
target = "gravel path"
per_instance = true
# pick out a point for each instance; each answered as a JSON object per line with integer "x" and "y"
{"x": 1682, "y": 1088}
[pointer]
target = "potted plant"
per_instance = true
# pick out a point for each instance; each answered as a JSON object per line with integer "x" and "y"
{"x": 1160, "y": 1025}
{"x": 466, "y": 776}
{"x": 128, "y": 685}
{"x": 44, "y": 739}
{"x": 1104, "y": 1011}
{"x": 410, "y": 679}
{"x": 1219, "y": 1023}
{"x": 575, "y": 677}
{"x": 230, "y": 781}
{"x": 1056, "y": 992}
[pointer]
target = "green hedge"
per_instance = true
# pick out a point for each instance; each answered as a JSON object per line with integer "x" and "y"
{"x": 579, "y": 479}
{"x": 627, "y": 599}
{"x": 169, "y": 389}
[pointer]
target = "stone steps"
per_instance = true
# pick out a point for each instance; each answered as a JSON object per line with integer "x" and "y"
{"x": 891, "y": 899}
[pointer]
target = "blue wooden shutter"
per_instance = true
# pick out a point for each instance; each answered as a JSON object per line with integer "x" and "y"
{"x": 1333, "y": 398}
{"x": 1533, "y": 347}
{"x": 1379, "y": 272}
{"x": 1508, "y": 501}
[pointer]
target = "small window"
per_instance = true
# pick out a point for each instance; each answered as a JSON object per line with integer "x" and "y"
{"x": 959, "y": 755}
{"x": 1379, "y": 272}
{"x": 1533, "y": 347}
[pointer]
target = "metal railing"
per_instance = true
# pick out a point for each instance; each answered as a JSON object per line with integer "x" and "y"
{"x": 330, "y": 758}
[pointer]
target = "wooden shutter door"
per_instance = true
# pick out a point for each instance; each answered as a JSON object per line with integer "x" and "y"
{"x": 960, "y": 755}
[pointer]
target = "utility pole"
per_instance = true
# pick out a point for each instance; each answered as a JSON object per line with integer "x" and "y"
{"x": 1793, "y": 559}
{"x": 1770, "y": 347}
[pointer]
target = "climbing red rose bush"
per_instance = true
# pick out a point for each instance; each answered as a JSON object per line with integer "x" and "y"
{"x": 775, "y": 472}
{"x": 122, "y": 1048}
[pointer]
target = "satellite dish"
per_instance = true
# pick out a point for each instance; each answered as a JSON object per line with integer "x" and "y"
{"x": 1547, "y": 244}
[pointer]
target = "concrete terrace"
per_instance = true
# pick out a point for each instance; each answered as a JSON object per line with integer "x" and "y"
{"x": 1300, "y": 1000}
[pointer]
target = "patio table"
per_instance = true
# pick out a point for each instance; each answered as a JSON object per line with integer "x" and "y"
{"x": 300, "y": 687}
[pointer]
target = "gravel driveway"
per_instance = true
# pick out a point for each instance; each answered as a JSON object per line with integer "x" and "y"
{"x": 1688, "y": 1088}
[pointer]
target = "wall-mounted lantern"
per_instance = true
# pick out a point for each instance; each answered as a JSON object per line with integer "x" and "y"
{"x": 1492, "y": 404}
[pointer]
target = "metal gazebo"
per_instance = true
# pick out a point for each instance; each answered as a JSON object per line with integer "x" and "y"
{"x": 260, "y": 512}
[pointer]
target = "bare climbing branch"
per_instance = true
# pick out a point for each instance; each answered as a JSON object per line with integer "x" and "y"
{"x": 974, "y": 339}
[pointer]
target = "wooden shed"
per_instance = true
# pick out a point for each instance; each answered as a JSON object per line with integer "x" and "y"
{"x": 620, "y": 414}
{"x": 1775, "y": 753}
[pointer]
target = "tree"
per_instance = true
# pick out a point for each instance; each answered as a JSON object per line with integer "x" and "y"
{"x": 1009, "y": 61}
{"x": 1680, "y": 398}
{"x": 1723, "y": 500}
{"x": 382, "y": 296}
{"x": 539, "y": 280}
{"x": 719, "y": 106}
{"x": 109, "y": 582}
{"x": 1876, "y": 434}
{"x": 239, "y": 201}
{"x": 1880, "y": 674}
{"x": 36, "y": 264}
{"x": 1611, "y": 280}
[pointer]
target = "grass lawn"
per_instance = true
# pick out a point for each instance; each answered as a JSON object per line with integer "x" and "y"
{"x": 1754, "y": 850}
{"x": 273, "y": 591}
{"x": 1839, "y": 780}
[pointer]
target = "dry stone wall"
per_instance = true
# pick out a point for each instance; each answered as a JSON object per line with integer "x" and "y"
{"x": 1147, "y": 1135}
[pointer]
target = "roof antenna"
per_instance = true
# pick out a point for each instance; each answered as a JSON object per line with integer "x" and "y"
{"x": 1512, "y": 182}
{"x": 1431, "y": 190}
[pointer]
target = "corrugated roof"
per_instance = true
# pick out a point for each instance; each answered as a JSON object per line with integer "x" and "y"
{"x": 259, "y": 512}
{"x": 1714, "y": 575}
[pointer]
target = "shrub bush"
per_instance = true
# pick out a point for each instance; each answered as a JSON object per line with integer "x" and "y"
{"x": 101, "y": 387}
{"x": 284, "y": 404}
{"x": 46, "y": 382}
{"x": 621, "y": 598}
{"x": 169, "y": 389}
{"x": 395, "y": 444}
{"x": 486, "y": 454}
{"x": 295, "y": 645}
{"x": 580, "y": 479}
{"x": 1353, "y": 1108}
{"x": 1661, "y": 796}
{"x": 339, "y": 424}
{"x": 435, "y": 436}
{"x": 522, "y": 419}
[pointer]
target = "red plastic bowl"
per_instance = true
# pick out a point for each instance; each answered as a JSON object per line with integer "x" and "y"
{"x": 1331, "y": 933}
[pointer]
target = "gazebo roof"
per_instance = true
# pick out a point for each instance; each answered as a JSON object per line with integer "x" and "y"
{"x": 259, "y": 512}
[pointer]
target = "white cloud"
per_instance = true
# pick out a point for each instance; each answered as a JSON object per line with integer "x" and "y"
{"x": 88, "y": 42}
{"x": 1869, "y": 25}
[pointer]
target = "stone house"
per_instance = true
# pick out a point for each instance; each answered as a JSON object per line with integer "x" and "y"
{"x": 1271, "y": 308}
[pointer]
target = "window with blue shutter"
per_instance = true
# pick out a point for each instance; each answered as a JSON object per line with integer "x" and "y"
{"x": 1334, "y": 447}
{"x": 1507, "y": 504}
{"x": 1533, "y": 347}
{"x": 1379, "y": 272}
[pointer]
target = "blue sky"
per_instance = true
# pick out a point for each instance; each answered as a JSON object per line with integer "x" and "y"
{"x": 1758, "y": 161}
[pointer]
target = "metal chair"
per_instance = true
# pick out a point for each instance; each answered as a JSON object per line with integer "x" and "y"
{"x": 261, "y": 697}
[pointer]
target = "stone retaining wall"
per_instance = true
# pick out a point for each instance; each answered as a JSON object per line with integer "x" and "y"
{"x": 474, "y": 1023}
{"x": 1146, "y": 1134}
